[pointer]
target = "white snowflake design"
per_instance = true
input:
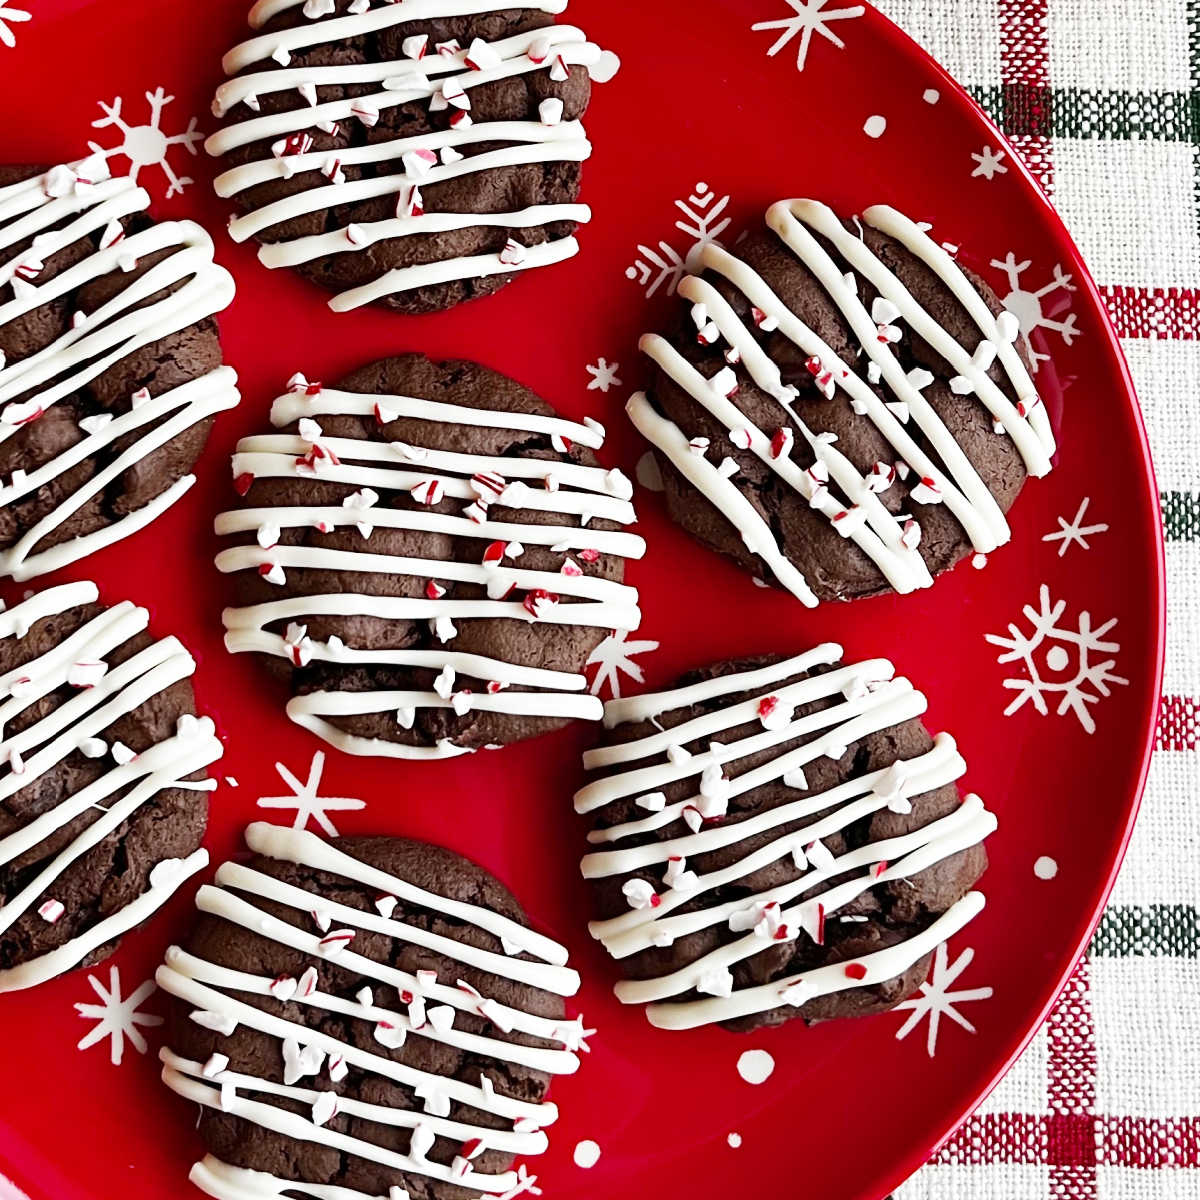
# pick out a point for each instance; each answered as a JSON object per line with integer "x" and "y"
{"x": 614, "y": 657}
{"x": 811, "y": 16}
{"x": 117, "y": 1019}
{"x": 989, "y": 163}
{"x": 937, "y": 1001}
{"x": 11, "y": 16}
{"x": 1074, "y": 531}
{"x": 603, "y": 375}
{"x": 147, "y": 145}
{"x": 1028, "y": 308}
{"x": 703, "y": 221}
{"x": 1062, "y": 661}
{"x": 305, "y": 800}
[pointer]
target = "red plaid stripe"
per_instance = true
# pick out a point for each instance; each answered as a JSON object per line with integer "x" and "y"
{"x": 1025, "y": 79}
{"x": 1140, "y": 312}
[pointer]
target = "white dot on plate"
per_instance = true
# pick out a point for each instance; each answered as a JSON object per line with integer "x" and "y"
{"x": 735, "y": 1140}
{"x": 932, "y": 95}
{"x": 979, "y": 561}
{"x": 1045, "y": 867}
{"x": 875, "y": 126}
{"x": 1057, "y": 658}
{"x": 587, "y": 1154}
{"x": 755, "y": 1066}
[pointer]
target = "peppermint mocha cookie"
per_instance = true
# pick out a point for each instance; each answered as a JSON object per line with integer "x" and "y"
{"x": 365, "y": 1018}
{"x": 778, "y": 838}
{"x": 431, "y": 554}
{"x": 413, "y": 155}
{"x": 102, "y": 785}
{"x": 844, "y": 408}
{"x": 110, "y": 367}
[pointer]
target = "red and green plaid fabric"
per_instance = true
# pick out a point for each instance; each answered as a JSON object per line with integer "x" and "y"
{"x": 1102, "y": 98}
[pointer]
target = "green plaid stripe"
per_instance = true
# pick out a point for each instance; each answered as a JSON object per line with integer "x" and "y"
{"x": 1181, "y": 516}
{"x": 1150, "y": 931}
{"x": 1087, "y": 113}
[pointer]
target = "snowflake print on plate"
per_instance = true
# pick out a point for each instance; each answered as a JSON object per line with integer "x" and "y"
{"x": 8, "y": 17}
{"x": 309, "y": 805}
{"x": 1029, "y": 309}
{"x": 1062, "y": 661}
{"x": 117, "y": 1018}
{"x": 614, "y": 657}
{"x": 603, "y": 375}
{"x": 811, "y": 16}
{"x": 147, "y": 145}
{"x": 936, "y": 1000}
{"x": 989, "y": 163}
{"x": 703, "y": 221}
{"x": 1074, "y": 531}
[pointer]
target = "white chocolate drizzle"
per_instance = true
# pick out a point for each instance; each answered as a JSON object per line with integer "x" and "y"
{"x": 394, "y": 1002}
{"x": 865, "y": 698}
{"x": 442, "y": 76}
{"x": 572, "y": 492}
{"x": 56, "y": 210}
{"x": 930, "y": 452}
{"x": 78, "y": 726}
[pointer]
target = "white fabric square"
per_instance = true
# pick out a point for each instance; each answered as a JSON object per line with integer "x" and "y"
{"x": 1147, "y": 1028}
{"x": 1024, "y": 1088}
{"x": 963, "y": 35}
{"x": 1167, "y": 376}
{"x": 1132, "y": 1183}
{"x": 1000, "y": 1181}
{"x": 1131, "y": 207}
{"x": 1118, "y": 45}
{"x": 1181, "y": 676}
{"x": 1160, "y": 867}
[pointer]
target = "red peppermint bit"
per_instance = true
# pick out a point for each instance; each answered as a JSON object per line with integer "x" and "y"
{"x": 496, "y": 686}
{"x": 589, "y": 556}
{"x": 30, "y": 416}
{"x": 472, "y": 1147}
{"x": 781, "y": 439}
{"x": 434, "y": 590}
{"x": 491, "y": 481}
{"x": 879, "y": 868}
{"x": 538, "y": 599}
{"x": 767, "y": 705}
{"x": 814, "y": 366}
{"x": 820, "y": 937}
{"x": 343, "y": 937}
{"x": 494, "y": 553}
{"x": 655, "y": 900}
{"x": 571, "y": 568}
{"x": 855, "y": 970}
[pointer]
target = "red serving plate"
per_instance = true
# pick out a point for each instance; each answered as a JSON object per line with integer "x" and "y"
{"x": 700, "y": 127}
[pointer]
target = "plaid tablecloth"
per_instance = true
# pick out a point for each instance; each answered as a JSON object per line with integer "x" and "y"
{"x": 1102, "y": 97}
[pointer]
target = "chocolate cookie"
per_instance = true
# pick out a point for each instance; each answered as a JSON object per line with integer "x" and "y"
{"x": 853, "y": 408}
{"x": 370, "y": 1017}
{"x": 110, "y": 367}
{"x": 777, "y": 838}
{"x": 414, "y": 163}
{"x": 97, "y": 734}
{"x": 433, "y": 554}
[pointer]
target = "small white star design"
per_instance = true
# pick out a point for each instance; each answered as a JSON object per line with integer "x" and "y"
{"x": 989, "y": 163}
{"x": 811, "y": 17}
{"x": 604, "y": 375}
{"x": 305, "y": 800}
{"x": 936, "y": 1001}
{"x": 614, "y": 656}
{"x": 1070, "y": 532}
{"x": 117, "y": 1019}
{"x": 11, "y": 16}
